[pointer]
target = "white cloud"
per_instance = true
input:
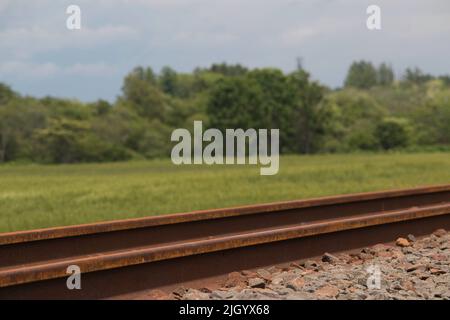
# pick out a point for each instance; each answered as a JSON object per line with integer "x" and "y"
{"x": 92, "y": 69}
{"x": 154, "y": 3}
{"x": 298, "y": 36}
{"x": 4, "y": 4}
{"x": 203, "y": 38}
{"x": 18, "y": 69}
{"x": 315, "y": 30}
{"x": 24, "y": 42}
{"x": 26, "y": 70}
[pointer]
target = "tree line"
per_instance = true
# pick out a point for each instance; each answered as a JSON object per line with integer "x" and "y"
{"x": 373, "y": 111}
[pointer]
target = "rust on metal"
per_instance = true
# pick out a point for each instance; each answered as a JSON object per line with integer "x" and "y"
{"x": 33, "y": 264}
{"x": 136, "y": 256}
{"x": 86, "y": 229}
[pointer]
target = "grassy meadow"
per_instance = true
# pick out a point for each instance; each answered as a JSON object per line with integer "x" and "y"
{"x": 39, "y": 196}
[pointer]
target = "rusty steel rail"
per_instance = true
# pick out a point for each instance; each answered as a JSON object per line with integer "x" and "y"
{"x": 122, "y": 258}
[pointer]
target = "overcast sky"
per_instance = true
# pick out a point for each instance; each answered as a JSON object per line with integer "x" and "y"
{"x": 40, "y": 56}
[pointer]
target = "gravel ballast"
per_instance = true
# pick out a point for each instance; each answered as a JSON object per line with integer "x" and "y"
{"x": 409, "y": 269}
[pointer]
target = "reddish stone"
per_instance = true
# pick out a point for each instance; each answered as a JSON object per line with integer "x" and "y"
{"x": 249, "y": 274}
{"x": 402, "y": 242}
{"x": 398, "y": 254}
{"x": 380, "y": 248}
{"x": 417, "y": 268}
{"x": 327, "y": 292}
{"x": 408, "y": 285}
{"x": 235, "y": 279}
{"x": 345, "y": 257}
{"x": 156, "y": 295}
{"x": 309, "y": 271}
{"x": 436, "y": 271}
{"x": 297, "y": 283}
{"x": 296, "y": 265}
{"x": 352, "y": 289}
{"x": 439, "y": 257}
{"x": 385, "y": 254}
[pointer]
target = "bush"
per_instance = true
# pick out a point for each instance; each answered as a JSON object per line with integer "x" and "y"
{"x": 393, "y": 133}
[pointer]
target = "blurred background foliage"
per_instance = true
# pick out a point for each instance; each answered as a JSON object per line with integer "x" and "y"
{"x": 373, "y": 111}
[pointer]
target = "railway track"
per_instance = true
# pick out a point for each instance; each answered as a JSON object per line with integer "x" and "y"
{"x": 122, "y": 259}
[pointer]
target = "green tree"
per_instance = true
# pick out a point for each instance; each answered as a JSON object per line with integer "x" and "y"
{"x": 168, "y": 81}
{"x": 101, "y": 107}
{"x": 60, "y": 141}
{"x": 18, "y": 120}
{"x": 144, "y": 74}
{"x": 385, "y": 76}
{"x": 393, "y": 133}
{"x": 6, "y": 94}
{"x": 229, "y": 70}
{"x": 416, "y": 76}
{"x": 433, "y": 117}
{"x": 236, "y": 103}
{"x": 72, "y": 141}
{"x": 155, "y": 140}
{"x": 373, "y": 112}
{"x": 10, "y": 124}
{"x": 361, "y": 75}
{"x": 352, "y": 118}
{"x": 145, "y": 98}
{"x": 308, "y": 121}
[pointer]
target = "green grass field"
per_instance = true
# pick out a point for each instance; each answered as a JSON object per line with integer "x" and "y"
{"x": 37, "y": 196}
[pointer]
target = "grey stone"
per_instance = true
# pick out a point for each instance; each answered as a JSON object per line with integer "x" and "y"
{"x": 328, "y": 257}
{"x": 192, "y": 294}
{"x": 222, "y": 295}
{"x": 428, "y": 277}
{"x": 264, "y": 274}
{"x": 309, "y": 264}
{"x": 256, "y": 283}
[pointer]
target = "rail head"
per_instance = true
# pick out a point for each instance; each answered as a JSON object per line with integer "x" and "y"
{"x": 120, "y": 225}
